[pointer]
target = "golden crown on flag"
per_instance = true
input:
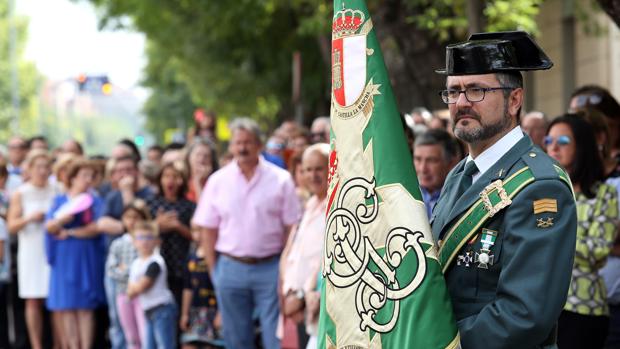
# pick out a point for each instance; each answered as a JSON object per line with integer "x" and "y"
{"x": 347, "y": 21}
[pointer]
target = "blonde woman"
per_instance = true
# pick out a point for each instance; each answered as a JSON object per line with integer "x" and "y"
{"x": 26, "y": 215}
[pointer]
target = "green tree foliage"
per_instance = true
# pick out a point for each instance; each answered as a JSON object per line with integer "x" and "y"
{"x": 29, "y": 78}
{"x": 236, "y": 56}
{"x": 170, "y": 104}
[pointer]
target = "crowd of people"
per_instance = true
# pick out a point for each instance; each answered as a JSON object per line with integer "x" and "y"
{"x": 206, "y": 244}
{"x": 99, "y": 251}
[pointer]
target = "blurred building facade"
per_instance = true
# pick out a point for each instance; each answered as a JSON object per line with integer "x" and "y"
{"x": 584, "y": 44}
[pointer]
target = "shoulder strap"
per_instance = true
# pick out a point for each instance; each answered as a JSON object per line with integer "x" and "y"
{"x": 544, "y": 168}
{"x": 565, "y": 178}
{"x": 493, "y": 199}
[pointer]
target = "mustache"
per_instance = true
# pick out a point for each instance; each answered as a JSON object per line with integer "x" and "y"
{"x": 466, "y": 111}
{"x": 244, "y": 153}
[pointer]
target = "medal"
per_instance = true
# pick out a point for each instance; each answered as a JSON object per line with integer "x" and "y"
{"x": 484, "y": 258}
{"x": 464, "y": 259}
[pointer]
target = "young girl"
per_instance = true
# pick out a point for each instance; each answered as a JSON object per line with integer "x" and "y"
{"x": 199, "y": 307}
{"x": 173, "y": 212}
{"x": 122, "y": 254}
{"x": 147, "y": 281}
{"x": 201, "y": 160}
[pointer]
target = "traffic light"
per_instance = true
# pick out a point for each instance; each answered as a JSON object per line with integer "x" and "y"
{"x": 94, "y": 84}
{"x": 106, "y": 88}
{"x": 81, "y": 80}
{"x": 139, "y": 140}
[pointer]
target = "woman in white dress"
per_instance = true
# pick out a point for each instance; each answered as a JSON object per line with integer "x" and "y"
{"x": 26, "y": 215}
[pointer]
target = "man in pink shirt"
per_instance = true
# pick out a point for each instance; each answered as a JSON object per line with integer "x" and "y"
{"x": 245, "y": 212}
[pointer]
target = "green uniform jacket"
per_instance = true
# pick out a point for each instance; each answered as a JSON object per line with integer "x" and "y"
{"x": 515, "y": 303}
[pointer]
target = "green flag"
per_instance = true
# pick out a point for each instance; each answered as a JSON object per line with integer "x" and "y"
{"x": 383, "y": 286}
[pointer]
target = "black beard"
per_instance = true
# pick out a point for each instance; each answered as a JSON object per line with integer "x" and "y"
{"x": 484, "y": 132}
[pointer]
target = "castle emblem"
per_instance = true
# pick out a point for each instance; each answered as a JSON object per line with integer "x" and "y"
{"x": 348, "y": 56}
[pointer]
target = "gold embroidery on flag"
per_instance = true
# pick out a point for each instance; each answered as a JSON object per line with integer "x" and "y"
{"x": 367, "y": 27}
{"x": 337, "y": 69}
{"x": 360, "y": 106}
{"x": 328, "y": 343}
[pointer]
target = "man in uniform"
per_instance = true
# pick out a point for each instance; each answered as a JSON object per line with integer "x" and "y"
{"x": 506, "y": 219}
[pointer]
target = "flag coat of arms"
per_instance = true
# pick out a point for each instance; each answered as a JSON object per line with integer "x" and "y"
{"x": 383, "y": 286}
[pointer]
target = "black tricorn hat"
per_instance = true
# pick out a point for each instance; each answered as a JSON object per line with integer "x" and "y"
{"x": 495, "y": 52}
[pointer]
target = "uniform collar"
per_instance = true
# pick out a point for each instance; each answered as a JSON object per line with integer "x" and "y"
{"x": 491, "y": 155}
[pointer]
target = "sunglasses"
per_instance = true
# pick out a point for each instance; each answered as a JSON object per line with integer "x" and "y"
{"x": 275, "y": 146}
{"x": 145, "y": 237}
{"x": 586, "y": 100}
{"x": 561, "y": 140}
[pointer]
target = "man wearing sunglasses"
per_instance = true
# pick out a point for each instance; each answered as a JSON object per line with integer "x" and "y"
{"x": 506, "y": 221}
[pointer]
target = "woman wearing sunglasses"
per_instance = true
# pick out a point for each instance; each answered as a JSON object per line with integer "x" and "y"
{"x": 585, "y": 319}
{"x": 598, "y": 98}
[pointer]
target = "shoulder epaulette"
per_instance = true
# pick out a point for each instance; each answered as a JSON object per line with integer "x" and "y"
{"x": 543, "y": 167}
{"x": 540, "y": 164}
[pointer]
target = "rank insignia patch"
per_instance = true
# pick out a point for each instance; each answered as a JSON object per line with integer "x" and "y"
{"x": 544, "y": 223}
{"x": 545, "y": 205}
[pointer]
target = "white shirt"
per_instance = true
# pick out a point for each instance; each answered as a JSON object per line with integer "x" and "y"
{"x": 158, "y": 294}
{"x": 306, "y": 250}
{"x": 491, "y": 155}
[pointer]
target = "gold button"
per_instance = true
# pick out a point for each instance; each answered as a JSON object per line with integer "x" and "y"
{"x": 532, "y": 155}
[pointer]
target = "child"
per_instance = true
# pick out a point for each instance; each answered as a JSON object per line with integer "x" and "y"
{"x": 173, "y": 212}
{"x": 147, "y": 281}
{"x": 199, "y": 307}
{"x": 122, "y": 254}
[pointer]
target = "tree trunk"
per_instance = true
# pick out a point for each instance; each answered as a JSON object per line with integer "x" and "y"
{"x": 612, "y": 8}
{"x": 475, "y": 16}
{"x": 412, "y": 56}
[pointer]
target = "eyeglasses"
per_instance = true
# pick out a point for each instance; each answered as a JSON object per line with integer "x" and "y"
{"x": 473, "y": 94}
{"x": 561, "y": 140}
